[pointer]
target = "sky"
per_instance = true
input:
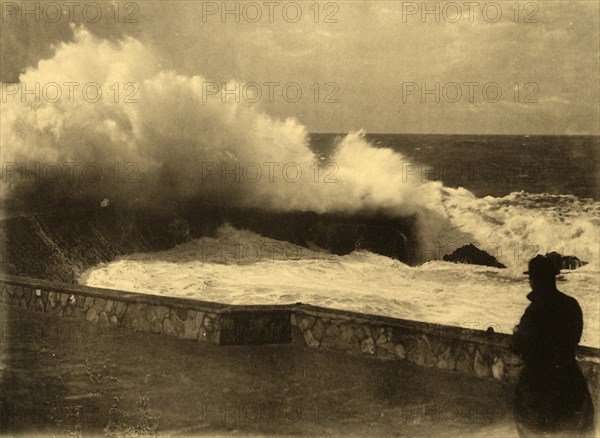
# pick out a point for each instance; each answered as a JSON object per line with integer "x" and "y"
{"x": 369, "y": 61}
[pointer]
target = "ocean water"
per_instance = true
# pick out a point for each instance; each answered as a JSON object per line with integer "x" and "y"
{"x": 502, "y": 164}
{"x": 542, "y": 196}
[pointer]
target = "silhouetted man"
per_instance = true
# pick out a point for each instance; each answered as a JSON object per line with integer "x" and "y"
{"x": 551, "y": 395}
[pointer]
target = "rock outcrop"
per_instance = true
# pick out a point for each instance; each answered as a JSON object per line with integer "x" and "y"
{"x": 472, "y": 255}
{"x": 565, "y": 262}
{"x": 62, "y": 242}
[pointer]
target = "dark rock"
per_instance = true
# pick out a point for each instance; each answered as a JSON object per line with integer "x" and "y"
{"x": 472, "y": 255}
{"x": 60, "y": 240}
{"x": 565, "y": 262}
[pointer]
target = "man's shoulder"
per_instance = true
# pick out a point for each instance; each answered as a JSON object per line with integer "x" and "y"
{"x": 568, "y": 300}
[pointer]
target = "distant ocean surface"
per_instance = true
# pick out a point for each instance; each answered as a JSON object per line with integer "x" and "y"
{"x": 517, "y": 195}
{"x": 496, "y": 165}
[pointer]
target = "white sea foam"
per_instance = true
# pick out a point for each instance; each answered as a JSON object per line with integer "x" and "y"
{"x": 241, "y": 267}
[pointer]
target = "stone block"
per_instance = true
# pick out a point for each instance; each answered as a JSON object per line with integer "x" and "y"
{"x": 332, "y": 330}
{"x": 52, "y": 300}
{"x": 63, "y": 298}
{"x": 169, "y": 328}
{"x": 87, "y": 303}
{"x": 78, "y": 312}
{"x": 140, "y": 323}
{"x": 346, "y": 333}
{"x": 135, "y": 318}
{"x": 58, "y": 309}
{"x": 386, "y": 351}
{"x": 332, "y": 337}
{"x": 293, "y": 320}
{"x": 17, "y": 292}
{"x": 14, "y": 299}
{"x": 446, "y": 360}
{"x": 182, "y": 314}
{"x": 23, "y": 303}
{"x": 109, "y": 307}
{"x": 99, "y": 304}
{"x": 120, "y": 309}
{"x": 39, "y": 305}
{"x": 207, "y": 326}
{"x": 103, "y": 318}
{"x": 305, "y": 322}
{"x": 421, "y": 354}
{"x": 399, "y": 351}
{"x": 68, "y": 311}
{"x": 310, "y": 339}
{"x": 191, "y": 327}
{"x": 92, "y": 315}
{"x": 23, "y": 297}
{"x": 9, "y": 290}
{"x": 12, "y": 294}
{"x": 156, "y": 326}
{"x": 438, "y": 346}
{"x": 3, "y": 293}
{"x": 155, "y": 316}
{"x": 381, "y": 339}
{"x": 79, "y": 301}
{"x": 367, "y": 346}
{"x": 318, "y": 330}
{"x": 464, "y": 360}
{"x": 159, "y": 312}
{"x": 360, "y": 333}
{"x": 28, "y": 295}
{"x": 486, "y": 351}
{"x": 498, "y": 368}
{"x": 482, "y": 365}
{"x": 210, "y": 330}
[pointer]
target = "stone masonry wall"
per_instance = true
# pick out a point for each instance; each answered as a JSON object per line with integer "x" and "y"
{"x": 473, "y": 352}
{"x": 194, "y": 322}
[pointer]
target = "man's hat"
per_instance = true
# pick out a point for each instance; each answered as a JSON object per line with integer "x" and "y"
{"x": 541, "y": 266}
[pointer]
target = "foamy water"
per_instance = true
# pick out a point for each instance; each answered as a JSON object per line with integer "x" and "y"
{"x": 241, "y": 267}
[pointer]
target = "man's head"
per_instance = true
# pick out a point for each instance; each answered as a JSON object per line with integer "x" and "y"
{"x": 542, "y": 274}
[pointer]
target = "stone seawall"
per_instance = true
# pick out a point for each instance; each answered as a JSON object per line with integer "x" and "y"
{"x": 472, "y": 352}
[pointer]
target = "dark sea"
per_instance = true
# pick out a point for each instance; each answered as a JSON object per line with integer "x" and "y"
{"x": 496, "y": 165}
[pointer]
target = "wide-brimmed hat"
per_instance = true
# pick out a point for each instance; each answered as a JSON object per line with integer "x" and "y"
{"x": 542, "y": 266}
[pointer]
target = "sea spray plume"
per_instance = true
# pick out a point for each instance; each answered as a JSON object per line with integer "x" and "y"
{"x": 172, "y": 131}
{"x": 73, "y": 130}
